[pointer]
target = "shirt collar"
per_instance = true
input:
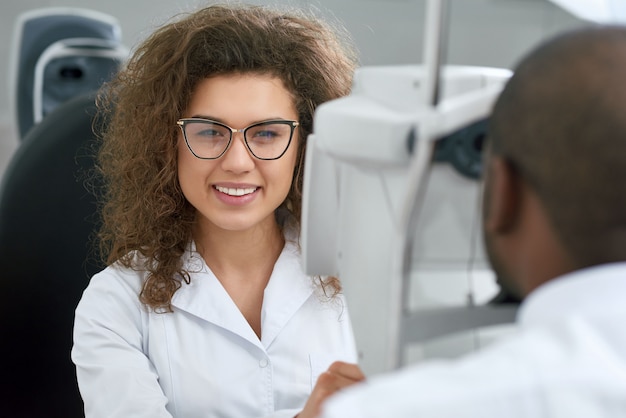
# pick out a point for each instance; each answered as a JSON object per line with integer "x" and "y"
{"x": 597, "y": 290}
{"x": 287, "y": 290}
{"x": 205, "y": 297}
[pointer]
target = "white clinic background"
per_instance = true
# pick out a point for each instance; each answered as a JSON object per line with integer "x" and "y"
{"x": 482, "y": 32}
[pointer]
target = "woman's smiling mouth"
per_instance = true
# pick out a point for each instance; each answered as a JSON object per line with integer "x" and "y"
{"x": 236, "y": 191}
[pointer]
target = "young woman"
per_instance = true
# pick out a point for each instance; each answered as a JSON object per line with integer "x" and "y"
{"x": 204, "y": 310}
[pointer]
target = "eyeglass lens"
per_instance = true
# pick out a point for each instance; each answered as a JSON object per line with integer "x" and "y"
{"x": 266, "y": 140}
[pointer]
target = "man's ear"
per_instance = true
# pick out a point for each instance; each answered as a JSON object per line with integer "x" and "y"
{"x": 502, "y": 196}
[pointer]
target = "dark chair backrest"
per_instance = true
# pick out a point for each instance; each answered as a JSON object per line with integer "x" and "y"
{"x": 47, "y": 221}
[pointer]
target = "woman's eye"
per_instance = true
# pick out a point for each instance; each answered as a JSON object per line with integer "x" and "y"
{"x": 210, "y": 133}
{"x": 267, "y": 134}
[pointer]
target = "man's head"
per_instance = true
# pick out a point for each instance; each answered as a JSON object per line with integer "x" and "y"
{"x": 555, "y": 192}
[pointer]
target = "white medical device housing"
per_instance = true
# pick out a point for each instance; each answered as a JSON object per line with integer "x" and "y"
{"x": 367, "y": 158}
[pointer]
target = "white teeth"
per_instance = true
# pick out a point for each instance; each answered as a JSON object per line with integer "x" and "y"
{"x": 235, "y": 192}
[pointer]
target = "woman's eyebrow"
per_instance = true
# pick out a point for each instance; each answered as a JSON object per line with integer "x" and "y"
{"x": 214, "y": 118}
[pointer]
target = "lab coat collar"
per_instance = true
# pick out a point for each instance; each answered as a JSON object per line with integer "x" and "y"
{"x": 288, "y": 289}
{"x": 206, "y": 298}
{"x": 597, "y": 290}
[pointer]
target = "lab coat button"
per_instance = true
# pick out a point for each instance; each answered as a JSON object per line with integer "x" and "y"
{"x": 263, "y": 362}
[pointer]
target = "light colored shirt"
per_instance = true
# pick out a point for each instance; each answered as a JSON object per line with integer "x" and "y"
{"x": 204, "y": 359}
{"x": 567, "y": 360}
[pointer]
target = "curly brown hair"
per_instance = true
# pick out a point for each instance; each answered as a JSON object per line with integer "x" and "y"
{"x": 144, "y": 211}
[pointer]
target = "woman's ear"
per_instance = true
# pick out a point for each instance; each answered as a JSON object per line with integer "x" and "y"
{"x": 501, "y": 196}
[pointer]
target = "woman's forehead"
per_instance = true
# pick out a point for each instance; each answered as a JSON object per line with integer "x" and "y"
{"x": 238, "y": 97}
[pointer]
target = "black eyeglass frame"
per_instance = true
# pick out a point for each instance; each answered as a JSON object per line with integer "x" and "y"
{"x": 184, "y": 121}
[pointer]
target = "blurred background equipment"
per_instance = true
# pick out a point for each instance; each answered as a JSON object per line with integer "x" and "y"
{"x": 48, "y": 210}
{"x": 391, "y": 204}
{"x": 48, "y": 219}
{"x": 57, "y": 54}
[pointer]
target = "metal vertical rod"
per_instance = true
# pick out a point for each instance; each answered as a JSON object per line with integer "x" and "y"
{"x": 435, "y": 18}
{"x": 434, "y": 48}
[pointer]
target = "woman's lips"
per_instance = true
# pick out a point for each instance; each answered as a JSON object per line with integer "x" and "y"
{"x": 236, "y": 196}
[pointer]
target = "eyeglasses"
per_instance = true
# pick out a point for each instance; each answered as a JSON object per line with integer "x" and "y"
{"x": 209, "y": 140}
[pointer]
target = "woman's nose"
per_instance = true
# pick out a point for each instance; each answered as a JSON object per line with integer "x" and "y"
{"x": 237, "y": 158}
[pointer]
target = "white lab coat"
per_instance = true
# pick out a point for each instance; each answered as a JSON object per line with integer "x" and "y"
{"x": 204, "y": 360}
{"x": 568, "y": 361}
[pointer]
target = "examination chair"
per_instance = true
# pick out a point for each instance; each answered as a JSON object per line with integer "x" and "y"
{"x": 47, "y": 221}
